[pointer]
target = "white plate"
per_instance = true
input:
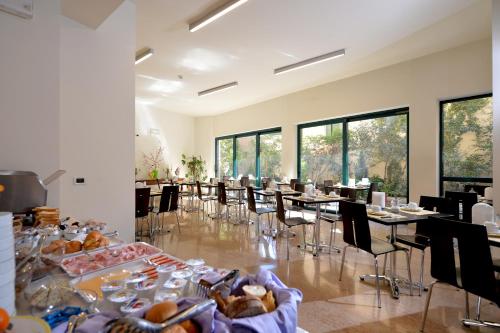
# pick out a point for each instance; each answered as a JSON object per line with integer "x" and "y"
{"x": 23, "y": 324}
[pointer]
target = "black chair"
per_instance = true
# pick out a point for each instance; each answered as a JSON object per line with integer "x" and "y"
{"x": 297, "y": 206}
{"x": 420, "y": 240}
{"x": 264, "y": 181}
{"x": 328, "y": 183}
{"x": 479, "y": 189}
{"x": 461, "y": 204}
{"x": 169, "y": 203}
{"x": 142, "y": 209}
{"x": 203, "y": 199}
{"x": 357, "y": 234}
{"x": 224, "y": 201}
{"x": 252, "y": 208}
{"x": 373, "y": 188}
{"x": 245, "y": 181}
{"x": 293, "y": 181}
{"x": 474, "y": 274}
{"x": 348, "y": 193}
{"x": 289, "y": 222}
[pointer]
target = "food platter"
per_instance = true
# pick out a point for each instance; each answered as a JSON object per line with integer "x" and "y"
{"x": 100, "y": 259}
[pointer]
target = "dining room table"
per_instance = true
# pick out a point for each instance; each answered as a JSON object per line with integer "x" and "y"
{"x": 393, "y": 218}
{"x": 316, "y": 201}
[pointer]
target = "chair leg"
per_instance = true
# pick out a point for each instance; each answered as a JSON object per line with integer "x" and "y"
{"x": 426, "y": 309}
{"x": 377, "y": 283}
{"x": 178, "y": 224}
{"x": 304, "y": 236}
{"x": 409, "y": 272}
{"x": 342, "y": 262}
{"x": 478, "y": 309}
{"x": 467, "y": 314}
{"x": 385, "y": 264}
{"x": 421, "y": 287}
{"x": 287, "y": 231}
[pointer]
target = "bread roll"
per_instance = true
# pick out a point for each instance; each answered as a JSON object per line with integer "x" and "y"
{"x": 73, "y": 246}
{"x": 255, "y": 290}
{"x": 269, "y": 301}
{"x": 161, "y": 312}
{"x": 190, "y": 326}
{"x": 54, "y": 246}
{"x": 246, "y": 306}
{"x": 93, "y": 235}
{"x": 174, "y": 329}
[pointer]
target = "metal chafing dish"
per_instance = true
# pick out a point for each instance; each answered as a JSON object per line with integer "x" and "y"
{"x": 21, "y": 191}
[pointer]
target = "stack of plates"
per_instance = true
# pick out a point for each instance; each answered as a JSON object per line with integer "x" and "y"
{"x": 7, "y": 264}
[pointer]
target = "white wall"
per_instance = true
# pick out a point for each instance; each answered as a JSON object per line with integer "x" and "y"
{"x": 176, "y": 136}
{"x": 29, "y": 93}
{"x": 97, "y": 119}
{"x": 419, "y": 84}
{"x": 496, "y": 102}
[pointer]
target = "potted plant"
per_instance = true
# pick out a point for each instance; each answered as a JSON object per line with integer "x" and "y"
{"x": 196, "y": 167}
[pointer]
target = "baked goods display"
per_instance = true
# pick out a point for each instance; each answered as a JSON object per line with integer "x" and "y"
{"x": 93, "y": 240}
{"x": 257, "y": 301}
{"x": 46, "y": 216}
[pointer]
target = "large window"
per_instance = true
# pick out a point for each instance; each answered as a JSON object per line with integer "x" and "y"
{"x": 321, "y": 153}
{"x": 373, "y": 146}
{"x": 225, "y": 157}
{"x": 378, "y": 150}
{"x": 466, "y": 142}
{"x": 255, "y": 154}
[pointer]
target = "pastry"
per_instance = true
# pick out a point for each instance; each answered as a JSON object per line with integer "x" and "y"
{"x": 73, "y": 246}
{"x": 245, "y": 306}
{"x": 161, "y": 312}
{"x": 269, "y": 301}
{"x": 190, "y": 326}
{"x": 53, "y": 246}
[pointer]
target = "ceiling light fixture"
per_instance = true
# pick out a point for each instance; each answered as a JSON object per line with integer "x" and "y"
{"x": 218, "y": 88}
{"x": 215, "y": 14}
{"x": 143, "y": 55}
{"x": 310, "y": 62}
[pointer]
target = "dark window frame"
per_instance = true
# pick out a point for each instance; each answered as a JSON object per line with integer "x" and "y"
{"x": 442, "y": 177}
{"x": 257, "y": 135}
{"x": 345, "y": 138}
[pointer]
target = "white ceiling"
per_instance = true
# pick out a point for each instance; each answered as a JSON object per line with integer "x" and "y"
{"x": 247, "y": 44}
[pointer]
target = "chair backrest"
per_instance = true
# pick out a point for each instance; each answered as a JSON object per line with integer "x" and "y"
{"x": 356, "y": 227}
{"x": 434, "y": 204}
{"x": 221, "y": 193}
{"x": 373, "y": 188}
{"x": 198, "y": 190}
{"x": 142, "y": 201}
{"x": 225, "y": 178}
{"x": 474, "y": 271}
{"x": 328, "y": 182}
{"x": 348, "y": 193}
{"x": 251, "y": 199}
{"x": 479, "y": 189}
{"x": 464, "y": 199}
{"x": 482, "y": 212}
{"x": 264, "y": 182}
{"x": 169, "y": 201}
{"x": 245, "y": 181}
{"x": 280, "y": 208}
{"x": 293, "y": 181}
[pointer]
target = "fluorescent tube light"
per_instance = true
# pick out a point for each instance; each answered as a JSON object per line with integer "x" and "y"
{"x": 143, "y": 55}
{"x": 216, "y": 14}
{"x": 218, "y": 88}
{"x": 310, "y": 62}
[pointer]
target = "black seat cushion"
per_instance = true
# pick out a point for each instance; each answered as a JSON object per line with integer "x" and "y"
{"x": 332, "y": 218}
{"x": 416, "y": 241}
{"x": 265, "y": 210}
{"x": 294, "y": 221}
{"x": 496, "y": 265}
{"x": 380, "y": 246}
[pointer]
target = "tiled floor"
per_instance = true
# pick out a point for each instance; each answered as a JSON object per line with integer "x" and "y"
{"x": 329, "y": 305}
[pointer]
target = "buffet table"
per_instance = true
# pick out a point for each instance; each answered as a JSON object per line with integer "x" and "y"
{"x": 142, "y": 275}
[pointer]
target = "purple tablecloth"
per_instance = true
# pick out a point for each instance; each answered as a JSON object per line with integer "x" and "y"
{"x": 283, "y": 319}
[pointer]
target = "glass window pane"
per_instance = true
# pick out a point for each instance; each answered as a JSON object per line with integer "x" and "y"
{"x": 378, "y": 150}
{"x": 321, "y": 153}
{"x": 467, "y": 142}
{"x": 225, "y": 158}
{"x": 245, "y": 156}
{"x": 270, "y": 155}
